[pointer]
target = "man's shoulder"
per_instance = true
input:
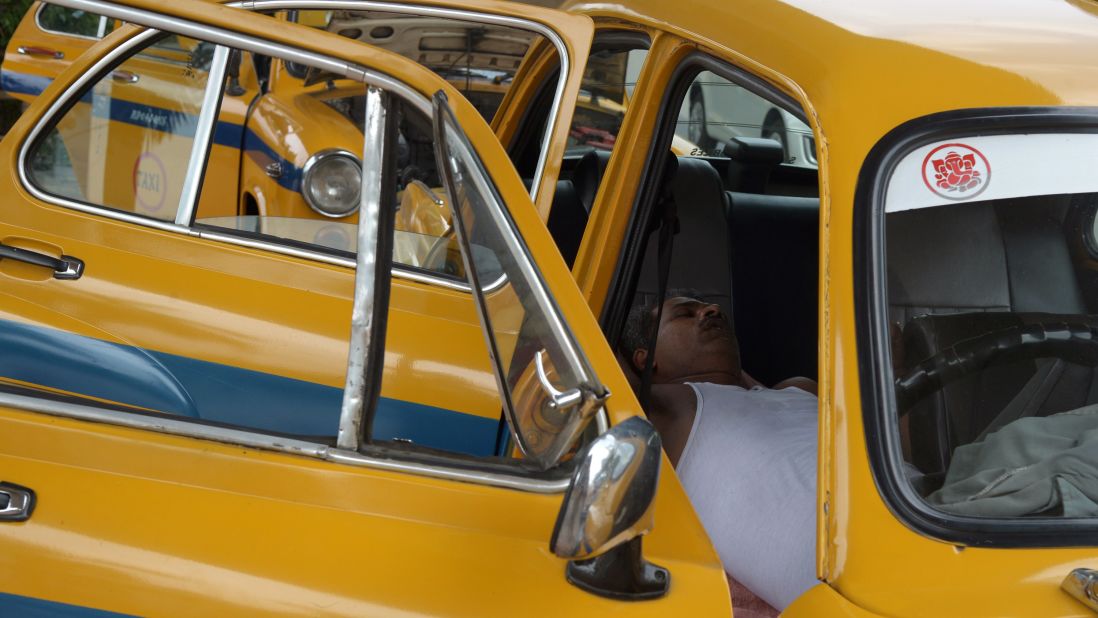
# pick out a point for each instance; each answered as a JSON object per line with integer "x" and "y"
{"x": 674, "y": 396}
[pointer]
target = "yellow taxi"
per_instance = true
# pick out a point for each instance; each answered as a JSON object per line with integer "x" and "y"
{"x": 210, "y": 405}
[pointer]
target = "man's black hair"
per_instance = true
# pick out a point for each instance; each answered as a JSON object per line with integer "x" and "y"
{"x": 641, "y": 321}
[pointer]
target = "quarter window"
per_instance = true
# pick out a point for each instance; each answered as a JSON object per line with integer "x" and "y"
{"x": 53, "y": 18}
{"x": 126, "y": 143}
{"x": 607, "y": 87}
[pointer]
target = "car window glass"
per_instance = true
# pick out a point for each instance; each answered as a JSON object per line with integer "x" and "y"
{"x": 546, "y": 383}
{"x": 991, "y": 296}
{"x": 608, "y": 82}
{"x": 143, "y": 113}
{"x": 759, "y": 147}
{"x": 476, "y": 58}
{"x": 295, "y": 131}
{"x": 55, "y": 18}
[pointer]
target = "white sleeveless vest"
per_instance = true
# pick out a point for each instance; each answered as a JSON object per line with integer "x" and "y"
{"x": 749, "y": 467}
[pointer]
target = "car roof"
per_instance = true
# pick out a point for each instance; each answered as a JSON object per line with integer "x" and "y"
{"x": 865, "y": 66}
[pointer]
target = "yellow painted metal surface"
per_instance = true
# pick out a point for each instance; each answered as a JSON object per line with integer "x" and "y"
{"x": 145, "y": 523}
{"x": 859, "y": 69}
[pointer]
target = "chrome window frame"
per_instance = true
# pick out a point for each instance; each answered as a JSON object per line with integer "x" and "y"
{"x": 156, "y": 24}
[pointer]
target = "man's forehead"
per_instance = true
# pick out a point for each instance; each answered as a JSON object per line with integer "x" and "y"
{"x": 679, "y": 301}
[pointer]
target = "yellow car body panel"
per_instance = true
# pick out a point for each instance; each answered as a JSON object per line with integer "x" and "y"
{"x": 146, "y": 523}
{"x": 859, "y": 70}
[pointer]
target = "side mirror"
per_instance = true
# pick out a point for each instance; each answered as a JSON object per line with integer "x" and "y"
{"x": 606, "y": 510}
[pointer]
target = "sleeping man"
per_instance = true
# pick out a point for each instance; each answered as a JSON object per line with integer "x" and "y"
{"x": 746, "y": 454}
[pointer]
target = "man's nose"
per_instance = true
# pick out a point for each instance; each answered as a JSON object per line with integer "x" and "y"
{"x": 709, "y": 311}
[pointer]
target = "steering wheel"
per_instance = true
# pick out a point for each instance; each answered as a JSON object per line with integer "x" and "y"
{"x": 1075, "y": 342}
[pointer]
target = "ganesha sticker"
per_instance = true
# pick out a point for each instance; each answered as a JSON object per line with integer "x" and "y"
{"x": 956, "y": 171}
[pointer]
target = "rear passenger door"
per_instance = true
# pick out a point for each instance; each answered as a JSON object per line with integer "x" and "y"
{"x": 45, "y": 43}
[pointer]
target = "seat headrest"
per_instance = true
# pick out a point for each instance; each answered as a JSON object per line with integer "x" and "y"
{"x": 588, "y": 176}
{"x": 754, "y": 150}
{"x": 751, "y": 159}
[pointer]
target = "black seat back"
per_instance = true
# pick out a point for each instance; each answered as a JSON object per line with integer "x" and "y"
{"x": 573, "y": 201}
{"x": 775, "y": 273}
{"x": 702, "y": 248}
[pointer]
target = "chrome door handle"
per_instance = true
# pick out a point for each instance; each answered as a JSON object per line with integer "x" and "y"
{"x": 65, "y": 267}
{"x": 1082, "y": 584}
{"x": 16, "y": 502}
{"x": 29, "y": 50}
{"x": 125, "y": 77}
{"x": 558, "y": 400}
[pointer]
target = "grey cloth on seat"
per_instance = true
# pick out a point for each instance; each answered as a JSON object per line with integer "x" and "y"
{"x": 1032, "y": 466}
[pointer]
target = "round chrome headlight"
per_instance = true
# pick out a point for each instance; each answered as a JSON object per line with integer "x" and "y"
{"x": 332, "y": 183}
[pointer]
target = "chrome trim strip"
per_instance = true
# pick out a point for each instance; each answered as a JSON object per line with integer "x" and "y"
{"x": 450, "y": 474}
{"x": 273, "y": 247}
{"x": 165, "y": 424}
{"x": 499, "y": 20}
{"x": 206, "y": 33}
{"x": 203, "y": 134}
{"x": 362, "y": 312}
{"x": 187, "y": 429}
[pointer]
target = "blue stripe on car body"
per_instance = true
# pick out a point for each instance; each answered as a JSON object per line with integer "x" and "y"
{"x": 23, "y": 83}
{"x": 30, "y": 607}
{"x": 220, "y": 393}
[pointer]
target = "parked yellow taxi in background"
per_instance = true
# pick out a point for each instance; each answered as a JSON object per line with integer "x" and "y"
{"x": 187, "y": 416}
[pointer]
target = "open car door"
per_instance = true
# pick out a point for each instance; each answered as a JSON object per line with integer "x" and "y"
{"x": 134, "y": 506}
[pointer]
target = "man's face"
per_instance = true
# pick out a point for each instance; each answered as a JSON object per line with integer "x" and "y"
{"x": 695, "y": 338}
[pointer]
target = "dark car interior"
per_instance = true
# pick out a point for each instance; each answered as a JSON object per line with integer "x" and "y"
{"x": 992, "y": 299}
{"x": 743, "y": 242}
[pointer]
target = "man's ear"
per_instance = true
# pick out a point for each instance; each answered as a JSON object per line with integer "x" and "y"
{"x": 640, "y": 357}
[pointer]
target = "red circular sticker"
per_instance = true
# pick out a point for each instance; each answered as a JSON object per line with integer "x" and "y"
{"x": 956, "y": 171}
